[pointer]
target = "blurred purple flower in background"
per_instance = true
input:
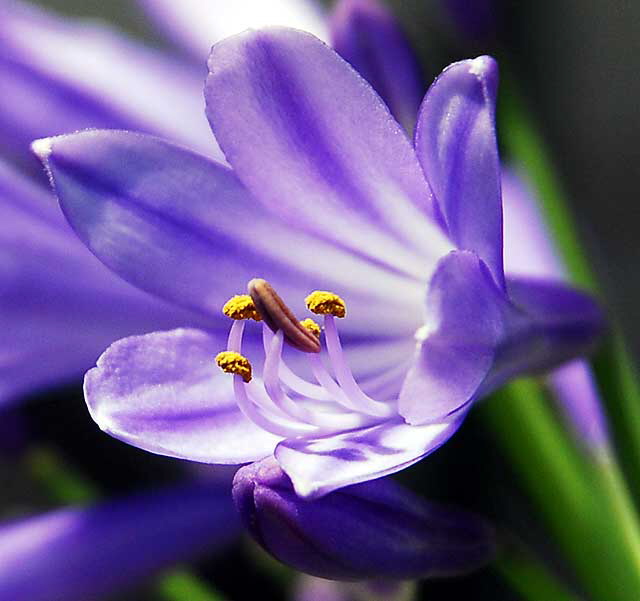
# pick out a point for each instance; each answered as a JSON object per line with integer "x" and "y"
{"x": 346, "y": 189}
{"x": 83, "y": 553}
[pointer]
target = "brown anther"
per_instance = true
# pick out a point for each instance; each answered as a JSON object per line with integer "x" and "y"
{"x": 279, "y": 317}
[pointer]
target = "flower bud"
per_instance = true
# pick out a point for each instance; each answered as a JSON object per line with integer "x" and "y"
{"x": 375, "y": 529}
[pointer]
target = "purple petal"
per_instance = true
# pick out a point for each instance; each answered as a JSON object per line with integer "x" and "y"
{"x": 164, "y": 393}
{"x": 50, "y": 64}
{"x": 197, "y": 24}
{"x": 372, "y": 530}
{"x": 85, "y": 553}
{"x": 552, "y": 323}
{"x": 368, "y": 36}
{"x": 457, "y": 147}
{"x": 338, "y": 163}
{"x": 528, "y": 248}
{"x": 319, "y": 466}
{"x": 59, "y": 307}
{"x": 465, "y": 313}
{"x": 577, "y": 395}
{"x": 183, "y": 227}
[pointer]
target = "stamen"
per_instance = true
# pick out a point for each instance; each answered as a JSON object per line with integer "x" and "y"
{"x": 234, "y": 363}
{"x": 290, "y": 378}
{"x": 344, "y": 376}
{"x": 297, "y": 410}
{"x": 241, "y": 306}
{"x": 257, "y": 416}
{"x": 279, "y": 317}
{"x": 322, "y": 302}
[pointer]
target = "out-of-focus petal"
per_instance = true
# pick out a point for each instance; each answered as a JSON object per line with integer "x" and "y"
{"x": 80, "y": 554}
{"x": 198, "y": 24}
{"x": 164, "y": 393}
{"x": 528, "y": 248}
{"x": 577, "y": 393}
{"x": 457, "y": 147}
{"x": 59, "y": 306}
{"x": 321, "y": 465}
{"x": 465, "y": 322}
{"x": 552, "y": 324}
{"x": 312, "y": 140}
{"x": 529, "y": 251}
{"x": 368, "y": 36}
{"x": 60, "y": 75}
{"x": 183, "y": 227}
{"x": 372, "y": 530}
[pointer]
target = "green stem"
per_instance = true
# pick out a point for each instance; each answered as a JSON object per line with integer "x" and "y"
{"x": 600, "y": 542}
{"x": 530, "y": 578}
{"x": 66, "y": 485}
{"x": 180, "y": 584}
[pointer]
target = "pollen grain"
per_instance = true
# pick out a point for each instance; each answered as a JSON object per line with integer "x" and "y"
{"x": 322, "y": 302}
{"x": 234, "y": 363}
{"x": 241, "y": 306}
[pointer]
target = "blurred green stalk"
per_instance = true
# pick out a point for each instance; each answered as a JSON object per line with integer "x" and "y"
{"x": 582, "y": 496}
{"x": 66, "y": 485}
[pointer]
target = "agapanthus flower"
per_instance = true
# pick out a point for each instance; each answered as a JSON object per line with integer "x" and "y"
{"x": 325, "y": 192}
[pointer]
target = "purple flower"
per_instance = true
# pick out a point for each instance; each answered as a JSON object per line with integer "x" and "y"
{"x": 376, "y": 528}
{"x": 325, "y": 192}
{"x": 59, "y": 307}
{"x": 81, "y": 553}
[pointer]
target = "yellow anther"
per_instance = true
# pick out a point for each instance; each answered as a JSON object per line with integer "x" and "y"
{"x": 311, "y": 325}
{"x": 326, "y": 303}
{"x": 241, "y": 307}
{"x": 234, "y": 363}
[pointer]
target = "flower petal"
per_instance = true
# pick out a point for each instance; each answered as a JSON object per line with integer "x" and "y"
{"x": 456, "y": 145}
{"x": 89, "y": 552}
{"x": 183, "y": 227}
{"x": 59, "y": 306}
{"x": 318, "y": 466}
{"x": 552, "y": 323}
{"x": 368, "y": 36}
{"x": 372, "y": 530}
{"x": 164, "y": 393}
{"x": 313, "y": 141}
{"x": 49, "y": 64}
{"x": 197, "y": 24}
{"x": 528, "y": 248}
{"x": 465, "y": 313}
